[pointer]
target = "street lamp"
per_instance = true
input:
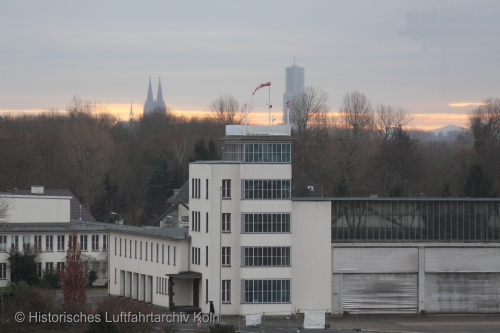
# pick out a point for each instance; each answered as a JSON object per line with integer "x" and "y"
{"x": 119, "y": 216}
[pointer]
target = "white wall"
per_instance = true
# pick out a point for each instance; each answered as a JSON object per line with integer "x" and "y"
{"x": 36, "y": 209}
{"x": 311, "y": 255}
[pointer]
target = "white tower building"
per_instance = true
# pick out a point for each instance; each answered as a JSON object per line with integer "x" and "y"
{"x": 294, "y": 86}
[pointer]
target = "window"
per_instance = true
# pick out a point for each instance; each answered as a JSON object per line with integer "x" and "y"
{"x": 166, "y": 286}
{"x": 196, "y": 222}
{"x": 3, "y": 271}
{"x": 151, "y": 251}
{"x": 140, "y": 251}
{"x": 146, "y": 251}
{"x": 266, "y": 256}
{"x": 38, "y": 242}
{"x": 3, "y": 243}
{"x": 267, "y": 152}
{"x": 195, "y": 255}
{"x": 115, "y": 246}
{"x": 174, "y": 256}
{"x": 60, "y": 243}
{"x": 206, "y": 222}
{"x": 95, "y": 242}
{"x": 226, "y": 188}
{"x": 49, "y": 267}
{"x": 226, "y": 291}
{"x": 226, "y": 222}
{"x": 157, "y": 251}
{"x": 104, "y": 272}
{"x": 206, "y": 291}
{"x": 266, "y": 291}
{"x": 130, "y": 249}
{"x": 162, "y": 254}
{"x": 206, "y": 192}
{"x": 199, "y": 188}
{"x": 206, "y": 255}
{"x": 266, "y": 189}
{"x": 83, "y": 242}
{"x": 125, "y": 247}
{"x": 195, "y": 187}
{"x": 135, "y": 249}
{"x": 60, "y": 266}
{"x": 115, "y": 275}
{"x": 105, "y": 243}
{"x": 226, "y": 256}
{"x": 14, "y": 242}
{"x": 49, "y": 243}
{"x": 39, "y": 269}
{"x": 168, "y": 254}
{"x": 26, "y": 243}
{"x": 266, "y": 223}
{"x": 120, "y": 246}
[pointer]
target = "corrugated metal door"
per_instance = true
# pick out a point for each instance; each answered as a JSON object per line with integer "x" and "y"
{"x": 462, "y": 292}
{"x": 380, "y": 293}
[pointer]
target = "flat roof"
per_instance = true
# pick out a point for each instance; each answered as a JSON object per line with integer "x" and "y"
{"x": 392, "y": 199}
{"x": 77, "y": 225}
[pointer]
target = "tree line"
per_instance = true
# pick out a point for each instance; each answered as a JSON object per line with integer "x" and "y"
{"x": 132, "y": 167}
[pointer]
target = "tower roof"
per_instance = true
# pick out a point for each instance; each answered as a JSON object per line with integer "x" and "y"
{"x": 159, "y": 95}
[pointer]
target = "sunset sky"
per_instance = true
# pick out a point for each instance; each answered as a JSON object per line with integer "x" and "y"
{"x": 437, "y": 59}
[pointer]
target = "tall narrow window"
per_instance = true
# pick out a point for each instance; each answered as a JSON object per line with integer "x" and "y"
{"x": 168, "y": 254}
{"x": 226, "y": 256}
{"x": 49, "y": 267}
{"x": 14, "y": 242}
{"x": 95, "y": 242}
{"x": 174, "y": 256}
{"x": 39, "y": 269}
{"x": 130, "y": 247}
{"x": 26, "y": 243}
{"x": 135, "y": 249}
{"x": 105, "y": 241}
{"x": 206, "y": 221}
{"x": 226, "y": 291}
{"x": 206, "y": 255}
{"x": 151, "y": 251}
{"x": 140, "y": 250}
{"x": 115, "y": 246}
{"x": 162, "y": 253}
{"x": 3, "y": 243}
{"x": 38, "y": 242}
{"x": 226, "y": 188}
{"x": 146, "y": 251}
{"x": 206, "y": 291}
{"x": 3, "y": 271}
{"x": 49, "y": 243}
{"x": 83, "y": 243}
{"x": 157, "y": 251}
{"x": 60, "y": 243}
{"x": 206, "y": 193}
{"x": 226, "y": 222}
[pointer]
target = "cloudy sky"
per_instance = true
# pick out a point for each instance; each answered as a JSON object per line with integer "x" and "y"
{"x": 423, "y": 55}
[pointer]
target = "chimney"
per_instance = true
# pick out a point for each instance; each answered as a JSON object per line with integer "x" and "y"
{"x": 37, "y": 189}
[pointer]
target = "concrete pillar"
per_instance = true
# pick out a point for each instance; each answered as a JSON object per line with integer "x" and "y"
{"x": 421, "y": 279}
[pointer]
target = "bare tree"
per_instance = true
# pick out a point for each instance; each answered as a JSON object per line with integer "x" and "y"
{"x": 5, "y": 205}
{"x": 389, "y": 118}
{"x": 308, "y": 108}
{"x": 226, "y": 110}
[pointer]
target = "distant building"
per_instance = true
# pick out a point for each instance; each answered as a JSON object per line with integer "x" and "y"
{"x": 152, "y": 105}
{"x": 294, "y": 86}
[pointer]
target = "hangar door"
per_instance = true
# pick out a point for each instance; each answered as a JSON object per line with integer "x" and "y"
{"x": 462, "y": 292}
{"x": 378, "y": 293}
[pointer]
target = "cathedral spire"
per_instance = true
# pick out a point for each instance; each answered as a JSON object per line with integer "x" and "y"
{"x": 150, "y": 93}
{"x": 159, "y": 95}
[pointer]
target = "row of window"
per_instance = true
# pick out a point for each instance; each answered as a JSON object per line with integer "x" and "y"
{"x": 49, "y": 267}
{"x": 162, "y": 285}
{"x": 266, "y": 189}
{"x": 252, "y": 189}
{"x": 49, "y": 242}
{"x": 259, "y": 291}
{"x": 148, "y": 248}
{"x": 251, "y": 256}
{"x": 258, "y": 152}
{"x": 251, "y": 222}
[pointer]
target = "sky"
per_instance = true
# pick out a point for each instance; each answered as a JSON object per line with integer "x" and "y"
{"x": 425, "y": 56}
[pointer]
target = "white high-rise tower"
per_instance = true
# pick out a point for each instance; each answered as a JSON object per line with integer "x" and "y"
{"x": 294, "y": 86}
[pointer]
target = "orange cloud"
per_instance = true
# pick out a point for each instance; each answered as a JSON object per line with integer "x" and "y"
{"x": 467, "y": 104}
